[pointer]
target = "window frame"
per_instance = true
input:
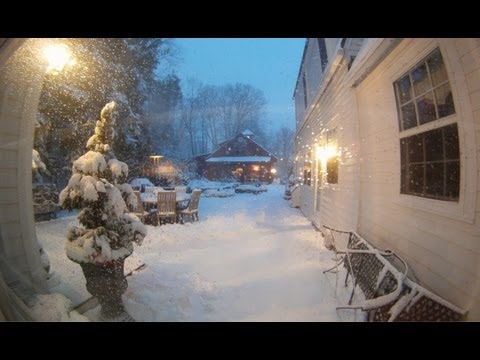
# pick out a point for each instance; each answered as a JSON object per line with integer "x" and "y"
{"x": 414, "y": 97}
{"x": 412, "y": 54}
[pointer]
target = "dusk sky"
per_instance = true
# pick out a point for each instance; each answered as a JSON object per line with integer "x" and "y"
{"x": 270, "y": 65}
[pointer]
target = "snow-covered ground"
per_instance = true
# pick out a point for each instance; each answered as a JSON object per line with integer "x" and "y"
{"x": 249, "y": 258}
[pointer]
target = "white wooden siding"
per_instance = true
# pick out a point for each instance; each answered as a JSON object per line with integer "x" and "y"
{"x": 331, "y": 45}
{"x": 443, "y": 251}
{"x": 336, "y": 108}
{"x": 313, "y": 69}
{"x": 299, "y": 102}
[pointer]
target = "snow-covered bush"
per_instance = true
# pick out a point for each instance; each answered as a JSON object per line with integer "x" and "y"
{"x": 97, "y": 186}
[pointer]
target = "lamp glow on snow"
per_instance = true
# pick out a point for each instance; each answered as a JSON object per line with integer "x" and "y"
{"x": 58, "y": 56}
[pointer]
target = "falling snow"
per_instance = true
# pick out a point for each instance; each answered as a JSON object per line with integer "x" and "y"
{"x": 249, "y": 258}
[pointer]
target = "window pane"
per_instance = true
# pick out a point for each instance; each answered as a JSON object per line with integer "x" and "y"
{"x": 404, "y": 89}
{"x": 403, "y": 150}
{"x": 434, "y": 179}
{"x": 437, "y": 68}
{"x": 409, "y": 118}
{"x": 404, "y": 180}
{"x": 416, "y": 178}
{"x": 426, "y": 108}
{"x": 415, "y": 148}
{"x": 444, "y": 98}
{"x": 421, "y": 81}
{"x": 451, "y": 142}
{"x": 434, "y": 145}
{"x": 435, "y": 174}
{"x": 452, "y": 180}
{"x": 332, "y": 171}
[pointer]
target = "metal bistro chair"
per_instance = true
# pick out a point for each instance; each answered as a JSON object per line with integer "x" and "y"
{"x": 166, "y": 206}
{"x": 192, "y": 210}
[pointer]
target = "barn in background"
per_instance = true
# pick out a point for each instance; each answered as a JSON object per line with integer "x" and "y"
{"x": 241, "y": 159}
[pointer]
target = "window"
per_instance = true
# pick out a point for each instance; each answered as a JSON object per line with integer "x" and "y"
{"x": 307, "y": 170}
{"x": 423, "y": 94}
{"x": 323, "y": 53}
{"x": 332, "y": 163}
{"x": 332, "y": 170}
{"x": 430, "y": 160}
{"x": 430, "y": 164}
{"x": 307, "y": 174}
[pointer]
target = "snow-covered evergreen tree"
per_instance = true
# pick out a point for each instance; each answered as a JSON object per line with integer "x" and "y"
{"x": 98, "y": 187}
{"x": 39, "y": 169}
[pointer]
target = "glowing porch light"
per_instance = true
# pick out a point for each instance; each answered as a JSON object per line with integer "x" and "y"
{"x": 58, "y": 56}
{"x": 255, "y": 167}
{"x": 273, "y": 171}
{"x": 326, "y": 152}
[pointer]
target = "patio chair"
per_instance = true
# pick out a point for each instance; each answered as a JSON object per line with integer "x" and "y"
{"x": 140, "y": 210}
{"x": 192, "y": 210}
{"x": 166, "y": 206}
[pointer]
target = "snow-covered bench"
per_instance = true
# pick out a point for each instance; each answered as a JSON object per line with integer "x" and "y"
{"x": 382, "y": 276}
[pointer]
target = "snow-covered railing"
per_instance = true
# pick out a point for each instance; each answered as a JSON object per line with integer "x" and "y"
{"x": 389, "y": 294}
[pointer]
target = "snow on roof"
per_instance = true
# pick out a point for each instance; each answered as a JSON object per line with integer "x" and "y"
{"x": 247, "y": 133}
{"x": 236, "y": 159}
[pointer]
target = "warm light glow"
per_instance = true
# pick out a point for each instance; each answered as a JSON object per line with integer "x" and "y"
{"x": 273, "y": 171}
{"x": 156, "y": 158}
{"x": 58, "y": 56}
{"x": 255, "y": 167}
{"x": 326, "y": 152}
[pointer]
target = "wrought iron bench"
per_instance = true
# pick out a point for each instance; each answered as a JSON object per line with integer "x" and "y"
{"x": 382, "y": 276}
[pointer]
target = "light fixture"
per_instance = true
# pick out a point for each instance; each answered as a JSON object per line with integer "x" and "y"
{"x": 326, "y": 152}
{"x": 156, "y": 158}
{"x": 58, "y": 56}
{"x": 273, "y": 171}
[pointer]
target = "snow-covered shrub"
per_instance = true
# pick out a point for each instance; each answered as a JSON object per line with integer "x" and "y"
{"x": 97, "y": 186}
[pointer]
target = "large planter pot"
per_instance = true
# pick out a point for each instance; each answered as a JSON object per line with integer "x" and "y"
{"x": 107, "y": 282}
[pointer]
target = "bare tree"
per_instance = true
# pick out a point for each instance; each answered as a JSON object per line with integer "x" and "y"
{"x": 241, "y": 107}
{"x": 282, "y": 147}
{"x": 209, "y": 115}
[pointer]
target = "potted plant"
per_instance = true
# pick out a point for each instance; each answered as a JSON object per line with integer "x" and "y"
{"x": 107, "y": 232}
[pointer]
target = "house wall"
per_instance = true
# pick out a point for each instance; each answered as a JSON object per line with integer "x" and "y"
{"x": 439, "y": 239}
{"x": 334, "y": 110}
{"x": 21, "y": 79}
{"x": 313, "y": 69}
{"x": 331, "y": 45}
{"x": 299, "y": 103}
